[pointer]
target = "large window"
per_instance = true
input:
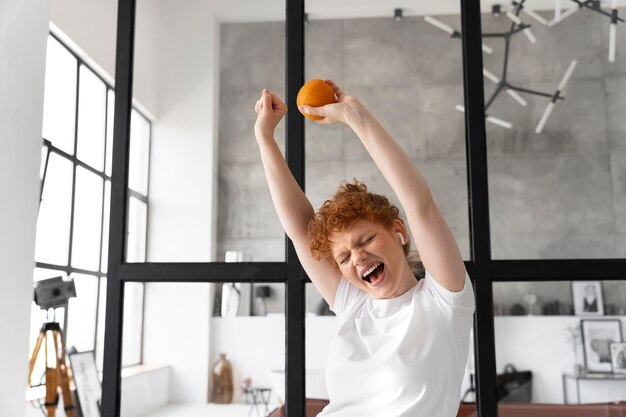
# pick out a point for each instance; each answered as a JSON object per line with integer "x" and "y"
{"x": 73, "y": 224}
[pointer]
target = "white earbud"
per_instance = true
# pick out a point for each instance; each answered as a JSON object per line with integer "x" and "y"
{"x": 402, "y": 241}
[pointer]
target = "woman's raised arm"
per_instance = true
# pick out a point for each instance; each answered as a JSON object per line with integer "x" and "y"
{"x": 292, "y": 206}
{"x": 432, "y": 236}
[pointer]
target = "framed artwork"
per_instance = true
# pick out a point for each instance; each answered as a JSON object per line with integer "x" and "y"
{"x": 597, "y": 338}
{"x": 618, "y": 357}
{"x": 87, "y": 382}
{"x": 587, "y": 298}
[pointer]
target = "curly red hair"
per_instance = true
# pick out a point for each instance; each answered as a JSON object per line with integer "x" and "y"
{"x": 350, "y": 203}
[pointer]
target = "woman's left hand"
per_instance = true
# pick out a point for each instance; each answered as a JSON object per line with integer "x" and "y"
{"x": 343, "y": 110}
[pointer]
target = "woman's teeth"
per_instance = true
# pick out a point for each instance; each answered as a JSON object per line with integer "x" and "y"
{"x": 369, "y": 271}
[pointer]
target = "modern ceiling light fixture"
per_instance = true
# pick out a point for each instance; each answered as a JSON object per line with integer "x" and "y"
{"x": 496, "y": 10}
{"x": 451, "y": 31}
{"x": 397, "y": 15}
{"x": 594, "y": 6}
{"x": 502, "y": 83}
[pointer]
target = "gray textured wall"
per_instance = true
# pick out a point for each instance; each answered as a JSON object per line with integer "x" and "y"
{"x": 560, "y": 194}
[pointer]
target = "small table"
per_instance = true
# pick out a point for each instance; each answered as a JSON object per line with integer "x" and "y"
{"x": 588, "y": 377}
{"x": 256, "y": 396}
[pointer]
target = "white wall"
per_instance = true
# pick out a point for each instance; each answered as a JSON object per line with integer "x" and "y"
{"x": 180, "y": 229}
{"x": 92, "y": 26}
{"x": 23, "y": 31}
{"x": 183, "y": 140}
{"x": 176, "y": 333}
{"x": 539, "y": 344}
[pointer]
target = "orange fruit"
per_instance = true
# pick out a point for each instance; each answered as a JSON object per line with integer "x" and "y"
{"x": 315, "y": 93}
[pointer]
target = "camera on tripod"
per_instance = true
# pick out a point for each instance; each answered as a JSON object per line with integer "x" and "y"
{"x": 54, "y": 292}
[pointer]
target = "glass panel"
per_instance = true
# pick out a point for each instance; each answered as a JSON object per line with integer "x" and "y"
{"x": 321, "y": 326}
{"x": 194, "y": 79}
{"x": 556, "y": 174}
{"x": 59, "y": 96}
{"x": 87, "y": 220}
{"x": 53, "y": 224}
{"x": 413, "y": 95}
{"x": 246, "y": 218}
{"x": 560, "y": 343}
{"x": 139, "y": 153}
{"x": 91, "y": 119}
{"x": 81, "y": 324}
{"x": 104, "y": 264}
{"x": 182, "y": 347}
{"x": 132, "y": 324}
{"x": 109, "y": 136}
{"x": 136, "y": 237}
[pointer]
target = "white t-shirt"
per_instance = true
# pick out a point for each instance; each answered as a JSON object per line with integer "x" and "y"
{"x": 404, "y": 356}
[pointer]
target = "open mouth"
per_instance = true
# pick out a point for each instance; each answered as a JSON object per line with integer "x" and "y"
{"x": 374, "y": 272}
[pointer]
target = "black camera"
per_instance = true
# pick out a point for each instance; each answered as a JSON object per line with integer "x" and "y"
{"x": 54, "y": 292}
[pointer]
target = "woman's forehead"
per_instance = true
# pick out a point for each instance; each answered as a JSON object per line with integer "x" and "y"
{"x": 353, "y": 232}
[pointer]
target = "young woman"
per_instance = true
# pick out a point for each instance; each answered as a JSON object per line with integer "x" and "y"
{"x": 402, "y": 345}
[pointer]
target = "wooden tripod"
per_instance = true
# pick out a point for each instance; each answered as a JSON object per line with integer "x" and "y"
{"x": 57, "y": 376}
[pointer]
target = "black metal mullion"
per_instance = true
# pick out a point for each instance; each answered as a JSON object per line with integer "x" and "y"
{"x": 75, "y": 160}
{"x": 66, "y": 268}
{"x": 111, "y": 383}
{"x": 557, "y": 270}
{"x": 294, "y": 148}
{"x": 478, "y": 193}
{"x": 203, "y": 272}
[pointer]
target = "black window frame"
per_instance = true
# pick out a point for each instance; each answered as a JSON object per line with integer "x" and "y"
{"x": 76, "y": 162}
{"x": 483, "y": 270}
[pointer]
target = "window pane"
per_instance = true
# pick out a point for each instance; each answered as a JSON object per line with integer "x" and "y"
{"x": 558, "y": 336}
{"x": 105, "y": 226}
{"x": 59, "y": 96}
{"x": 53, "y": 224}
{"x": 139, "y": 153}
{"x": 246, "y": 218}
{"x": 182, "y": 342}
{"x": 136, "y": 237}
{"x": 87, "y": 221}
{"x": 321, "y": 327}
{"x": 556, "y": 176}
{"x": 132, "y": 323}
{"x": 109, "y": 135}
{"x": 91, "y": 119}
{"x": 413, "y": 94}
{"x": 81, "y": 317}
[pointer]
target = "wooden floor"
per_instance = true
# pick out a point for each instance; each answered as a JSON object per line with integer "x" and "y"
{"x": 207, "y": 410}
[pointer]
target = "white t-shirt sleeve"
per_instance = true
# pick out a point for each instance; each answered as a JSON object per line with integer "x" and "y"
{"x": 346, "y": 295}
{"x": 463, "y": 299}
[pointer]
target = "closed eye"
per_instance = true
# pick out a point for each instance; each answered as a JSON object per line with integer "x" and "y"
{"x": 368, "y": 240}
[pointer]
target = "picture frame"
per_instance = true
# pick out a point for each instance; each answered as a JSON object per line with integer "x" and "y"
{"x": 618, "y": 357}
{"x": 587, "y": 298}
{"x": 87, "y": 382}
{"x": 597, "y": 336}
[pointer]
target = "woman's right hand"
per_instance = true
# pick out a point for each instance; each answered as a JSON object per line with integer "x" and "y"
{"x": 270, "y": 110}
{"x": 346, "y": 109}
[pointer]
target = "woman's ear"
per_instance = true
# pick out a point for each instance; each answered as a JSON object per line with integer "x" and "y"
{"x": 400, "y": 231}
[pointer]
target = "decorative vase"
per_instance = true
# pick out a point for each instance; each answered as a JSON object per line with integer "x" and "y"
{"x": 222, "y": 374}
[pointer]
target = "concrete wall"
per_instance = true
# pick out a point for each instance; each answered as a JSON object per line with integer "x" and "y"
{"x": 559, "y": 194}
{"x": 23, "y": 31}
